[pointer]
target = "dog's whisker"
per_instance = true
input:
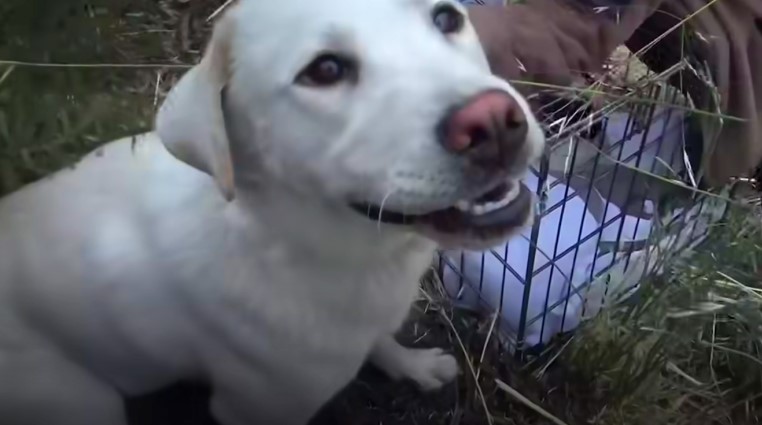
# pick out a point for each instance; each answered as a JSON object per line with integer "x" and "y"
{"x": 381, "y": 207}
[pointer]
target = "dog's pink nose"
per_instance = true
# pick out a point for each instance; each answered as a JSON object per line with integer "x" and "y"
{"x": 491, "y": 122}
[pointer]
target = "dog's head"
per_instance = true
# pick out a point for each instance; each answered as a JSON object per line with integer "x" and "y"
{"x": 380, "y": 108}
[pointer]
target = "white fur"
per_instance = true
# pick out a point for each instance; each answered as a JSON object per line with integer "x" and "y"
{"x": 135, "y": 269}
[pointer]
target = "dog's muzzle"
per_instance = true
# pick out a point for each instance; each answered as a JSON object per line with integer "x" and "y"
{"x": 506, "y": 207}
{"x": 490, "y": 132}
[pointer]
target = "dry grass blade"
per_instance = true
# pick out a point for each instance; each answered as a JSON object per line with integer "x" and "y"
{"x": 680, "y": 24}
{"x": 7, "y": 73}
{"x": 466, "y": 357}
{"x": 518, "y": 396}
{"x": 94, "y": 65}
{"x": 487, "y": 340}
{"x": 626, "y": 98}
{"x": 219, "y": 10}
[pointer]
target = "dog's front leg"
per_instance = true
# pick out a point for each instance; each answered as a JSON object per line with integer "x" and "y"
{"x": 430, "y": 368}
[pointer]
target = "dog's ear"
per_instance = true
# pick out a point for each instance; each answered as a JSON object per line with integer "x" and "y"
{"x": 190, "y": 122}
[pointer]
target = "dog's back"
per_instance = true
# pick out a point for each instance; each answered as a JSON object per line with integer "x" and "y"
{"x": 75, "y": 252}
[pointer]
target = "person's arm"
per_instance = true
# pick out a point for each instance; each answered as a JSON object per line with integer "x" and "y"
{"x": 551, "y": 41}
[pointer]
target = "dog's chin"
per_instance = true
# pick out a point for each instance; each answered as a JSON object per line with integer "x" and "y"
{"x": 476, "y": 224}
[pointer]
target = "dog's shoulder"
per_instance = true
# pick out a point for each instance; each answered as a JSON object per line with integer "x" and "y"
{"x": 107, "y": 207}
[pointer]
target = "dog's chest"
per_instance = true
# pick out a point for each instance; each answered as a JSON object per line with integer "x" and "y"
{"x": 312, "y": 305}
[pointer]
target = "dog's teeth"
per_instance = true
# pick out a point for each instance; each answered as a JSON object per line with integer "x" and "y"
{"x": 504, "y": 202}
{"x": 488, "y": 207}
{"x": 512, "y": 193}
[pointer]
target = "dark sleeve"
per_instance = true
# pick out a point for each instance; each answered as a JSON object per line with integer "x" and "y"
{"x": 590, "y": 30}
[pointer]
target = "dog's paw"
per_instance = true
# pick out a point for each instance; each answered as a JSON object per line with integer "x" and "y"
{"x": 430, "y": 368}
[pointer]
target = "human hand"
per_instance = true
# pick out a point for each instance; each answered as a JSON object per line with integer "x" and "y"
{"x": 542, "y": 41}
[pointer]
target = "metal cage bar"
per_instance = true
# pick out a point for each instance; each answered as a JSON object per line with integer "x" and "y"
{"x": 640, "y": 123}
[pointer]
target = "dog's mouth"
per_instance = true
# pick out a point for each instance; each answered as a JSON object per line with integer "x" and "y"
{"x": 504, "y": 207}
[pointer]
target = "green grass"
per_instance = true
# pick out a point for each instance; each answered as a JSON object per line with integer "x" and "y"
{"x": 50, "y": 115}
{"x": 688, "y": 352}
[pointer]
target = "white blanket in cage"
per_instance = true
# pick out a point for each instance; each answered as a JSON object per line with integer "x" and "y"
{"x": 559, "y": 234}
{"x": 582, "y": 273}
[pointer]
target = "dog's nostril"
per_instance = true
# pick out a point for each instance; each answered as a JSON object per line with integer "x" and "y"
{"x": 478, "y": 136}
{"x": 514, "y": 119}
{"x": 513, "y": 125}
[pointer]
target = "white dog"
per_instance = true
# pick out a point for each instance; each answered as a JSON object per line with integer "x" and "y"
{"x": 269, "y": 237}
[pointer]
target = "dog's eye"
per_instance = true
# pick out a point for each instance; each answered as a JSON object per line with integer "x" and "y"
{"x": 447, "y": 19}
{"x": 326, "y": 70}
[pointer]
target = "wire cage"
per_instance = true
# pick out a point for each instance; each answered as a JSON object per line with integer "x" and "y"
{"x": 608, "y": 215}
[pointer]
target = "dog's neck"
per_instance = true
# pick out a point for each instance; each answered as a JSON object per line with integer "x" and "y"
{"x": 311, "y": 226}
